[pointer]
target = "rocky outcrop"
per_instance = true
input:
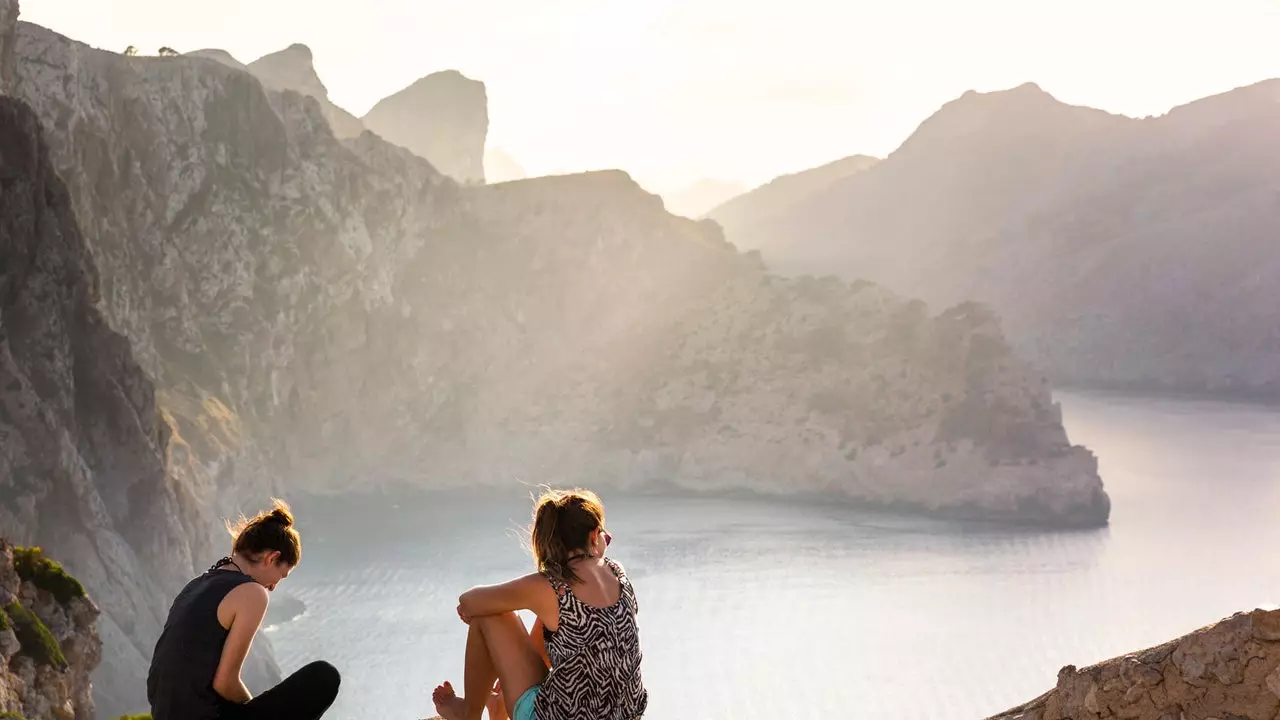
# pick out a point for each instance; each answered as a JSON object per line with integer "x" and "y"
{"x": 294, "y": 69}
{"x": 85, "y": 457}
{"x": 48, "y": 647}
{"x": 8, "y": 39}
{"x": 1119, "y": 252}
{"x": 443, "y": 118}
{"x": 1227, "y": 670}
{"x": 775, "y": 198}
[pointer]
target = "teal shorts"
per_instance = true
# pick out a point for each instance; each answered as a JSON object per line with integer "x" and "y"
{"x": 524, "y": 706}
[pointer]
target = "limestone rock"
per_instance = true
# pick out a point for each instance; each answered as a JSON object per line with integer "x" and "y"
{"x": 8, "y": 39}
{"x": 294, "y": 69}
{"x": 443, "y": 118}
{"x": 34, "y": 690}
{"x": 1227, "y": 670}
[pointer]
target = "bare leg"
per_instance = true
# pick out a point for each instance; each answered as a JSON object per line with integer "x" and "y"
{"x": 498, "y": 647}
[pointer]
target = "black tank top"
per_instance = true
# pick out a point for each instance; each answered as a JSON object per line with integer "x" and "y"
{"x": 180, "y": 682}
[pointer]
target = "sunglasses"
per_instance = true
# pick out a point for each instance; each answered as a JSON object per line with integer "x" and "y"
{"x": 607, "y": 538}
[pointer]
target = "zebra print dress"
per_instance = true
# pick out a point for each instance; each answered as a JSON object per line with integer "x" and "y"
{"x": 595, "y": 659}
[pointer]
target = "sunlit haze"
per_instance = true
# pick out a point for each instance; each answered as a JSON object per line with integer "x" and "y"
{"x": 677, "y": 91}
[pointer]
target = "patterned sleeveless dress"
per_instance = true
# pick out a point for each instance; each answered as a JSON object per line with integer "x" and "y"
{"x": 595, "y": 659}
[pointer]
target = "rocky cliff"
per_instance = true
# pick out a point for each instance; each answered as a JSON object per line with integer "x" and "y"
{"x": 8, "y": 38}
{"x": 1119, "y": 252}
{"x": 1228, "y": 670}
{"x": 88, "y": 467}
{"x": 48, "y": 643}
{"x": 337, "y": 315}
{"x": 444, "y": 118}
{"x": 294, "y": 69}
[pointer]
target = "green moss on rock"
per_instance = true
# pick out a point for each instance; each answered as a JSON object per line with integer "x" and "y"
{"x": 34, "y": 637}
{"x": 35, "y": 568}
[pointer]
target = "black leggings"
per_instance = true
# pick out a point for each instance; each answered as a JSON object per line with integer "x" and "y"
{"x": 304, "y": 695}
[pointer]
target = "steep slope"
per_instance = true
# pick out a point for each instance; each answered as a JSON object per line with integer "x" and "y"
{"x": 443, "y": 118}
{"x": 48, "y": 642}
{"x": 1228, "y": 670}
{"x": 779, "y": 195}
{"x": 8, "y": 38}
{"x": 83, "y": 457}
{"x": 294, "y": 69}
{"x": 1118, "y": 251}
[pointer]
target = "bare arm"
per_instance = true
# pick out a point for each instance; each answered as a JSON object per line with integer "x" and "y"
{"x": 246, "y": 605}
{"x": 531, "y": 592}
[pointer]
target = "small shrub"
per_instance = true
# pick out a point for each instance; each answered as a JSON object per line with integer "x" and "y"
{"x": 11, "y": 715}
{"x": 35, "y": 568}
{"x": 4, "y": 625}
{"x": 37, "y": 642}
{"x": 135, "y": 717}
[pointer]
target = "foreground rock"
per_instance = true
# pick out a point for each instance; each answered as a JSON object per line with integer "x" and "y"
{"x": 1228, "y": 670}
{"x": 1119, "y": 252}
{"x": 88, "y": 467}
{"x": 48, "y": 642}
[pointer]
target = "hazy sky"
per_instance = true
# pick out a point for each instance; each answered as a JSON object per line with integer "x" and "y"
{"x": 675, "y": 90}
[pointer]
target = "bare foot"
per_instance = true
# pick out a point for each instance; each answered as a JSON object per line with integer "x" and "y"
{"x": 448, "y": 704}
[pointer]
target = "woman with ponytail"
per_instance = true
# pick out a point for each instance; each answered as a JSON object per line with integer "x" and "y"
{"x": 581, "y": 661}
{"x": 195, "y": 669}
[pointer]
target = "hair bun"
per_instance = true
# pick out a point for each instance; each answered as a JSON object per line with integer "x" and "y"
{"x": 280, "y": 513}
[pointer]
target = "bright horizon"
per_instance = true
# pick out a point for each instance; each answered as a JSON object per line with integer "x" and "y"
{"x": 676, "y": 92}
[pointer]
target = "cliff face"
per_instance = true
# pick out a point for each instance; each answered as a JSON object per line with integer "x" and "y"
{"x": 48, "y": 645}
{"x": 84, "y": 455}
{"x": 294, "y": 69}
{"x": 8, "y": 38}
{"x": 443, "y": 118}
{"x": 1227, "y": 670}
{"x": 1118, "y": 252}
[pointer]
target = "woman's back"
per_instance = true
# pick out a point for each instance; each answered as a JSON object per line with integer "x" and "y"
{"x": 595, "y": 654}
{"x": 180, "y": 682}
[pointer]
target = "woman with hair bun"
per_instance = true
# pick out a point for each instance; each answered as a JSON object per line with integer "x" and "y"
{"x": 195, "y": 669}
{"x": 581, "y": 661}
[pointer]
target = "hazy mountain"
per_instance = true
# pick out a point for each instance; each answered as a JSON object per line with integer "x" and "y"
{"x": 294, "y": 69}
{"x": 1119, "y": 252}
{"x": 697, "y": 199}
{"x": 499, "y": 166}
{"x": 782, "y": 193}
{"x": 443, "y": 117}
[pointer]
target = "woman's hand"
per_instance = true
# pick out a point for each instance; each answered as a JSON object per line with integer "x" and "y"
{"x": 465, "y": 618}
